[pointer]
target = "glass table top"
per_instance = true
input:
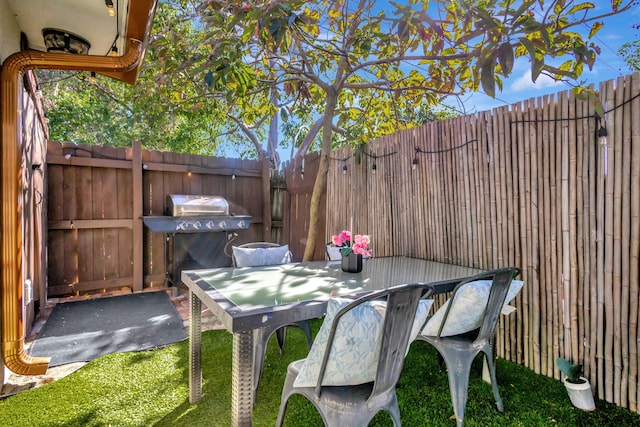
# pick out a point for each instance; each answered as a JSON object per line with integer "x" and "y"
{"x": 250, "y": 288}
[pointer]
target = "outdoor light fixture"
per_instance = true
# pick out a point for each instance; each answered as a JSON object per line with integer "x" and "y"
{"x": 114, "y": 51}
{"x": 602, "y": 135}
{"x": 71, "y": 152}
{"x": 63, "y": 41}
{"x": 414, "y": 163}
{"x": 110, "y": 10}
{"x": 92, "y": 78}
{"x": 374, "y": 167}
{"x": 344, "y": 169}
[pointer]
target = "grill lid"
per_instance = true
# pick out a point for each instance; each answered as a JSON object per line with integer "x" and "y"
{"x": 193, "y": 205}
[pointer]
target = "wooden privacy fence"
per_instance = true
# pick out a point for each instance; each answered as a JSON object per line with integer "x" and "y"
{"x": 532, "y": 186}
{"x": 97, "y": 196}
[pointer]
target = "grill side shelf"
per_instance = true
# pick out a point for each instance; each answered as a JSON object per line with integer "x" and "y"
{"x": 196, "y": 224}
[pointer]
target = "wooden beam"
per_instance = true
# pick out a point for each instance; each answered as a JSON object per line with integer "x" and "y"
{"x": 168, "y": 167}
{"x": 89, "y": 224}
{"x": 94, "y": 285}
{"x": 93, "y": 162}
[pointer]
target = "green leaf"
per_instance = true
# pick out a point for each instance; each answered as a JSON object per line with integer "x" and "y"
{"x": 208, "y": 79}
{"x": 572, "y": 371}
{"x": 530, "y": 47}
{"x": 505, "y": 58}
{"x": 536, "y": 68}
{"x": 487, "y": 78}
{"x": 579, "y": 7}
{"x": 595, "y": 28}
{"x": 365, "y": 45}
{"x": 546, "y": 37}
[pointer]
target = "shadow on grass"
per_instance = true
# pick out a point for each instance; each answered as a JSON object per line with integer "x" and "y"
{"x": 150, "y": 388}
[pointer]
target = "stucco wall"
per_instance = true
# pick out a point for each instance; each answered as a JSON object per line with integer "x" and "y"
{"x": 9, "y": 31}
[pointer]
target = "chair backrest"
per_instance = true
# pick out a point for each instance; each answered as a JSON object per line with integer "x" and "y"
{"x": 333, "y": 252}
{"x": 402, "y": 304}
{"x": 254, "y": 245}
{"x": 500, "y": 283}
{"x": 259, "y": 245}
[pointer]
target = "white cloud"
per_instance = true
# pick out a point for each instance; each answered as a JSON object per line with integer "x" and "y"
{"x": 524, "y": 82}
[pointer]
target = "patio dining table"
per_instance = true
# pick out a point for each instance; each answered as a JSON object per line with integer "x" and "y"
{"x": 248, "y": 298}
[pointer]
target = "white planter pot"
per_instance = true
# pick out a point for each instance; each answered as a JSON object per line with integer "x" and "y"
{"x": 581, "y": 395}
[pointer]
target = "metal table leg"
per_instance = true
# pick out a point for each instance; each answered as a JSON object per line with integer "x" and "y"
{"x": 195, "y": 349}
{"x": 242, "y": 379}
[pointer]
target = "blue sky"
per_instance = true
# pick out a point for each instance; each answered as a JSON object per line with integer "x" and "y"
{"x": 519, "y": 87}
{"x": 609, "y": 65}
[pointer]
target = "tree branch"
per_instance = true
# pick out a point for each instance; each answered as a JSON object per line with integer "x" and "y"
{"x": 308, "y": 140}
{"x": 249, "y": 134}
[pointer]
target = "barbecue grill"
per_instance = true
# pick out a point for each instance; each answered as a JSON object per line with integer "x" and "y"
{"x": 197, "y": 228}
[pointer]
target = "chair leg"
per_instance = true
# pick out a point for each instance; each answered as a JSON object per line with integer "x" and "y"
{"x": 458, "y": 368}
{"x": 394, "y": 411}
{"x": 305, "y": 325}
{"x": 287, "y": 392}
{"x": 260, "y": 339}
{"x": 494, "y": 384}
{"x": 281, "y": 411}
{"x": 281, "y": 335}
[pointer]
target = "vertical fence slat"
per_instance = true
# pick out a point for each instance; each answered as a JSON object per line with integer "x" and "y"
{"x": 625, "y": 234}
{"x": 579, "y": 228}
{"x": 608, "y": 176}
{"x": 570, "y": 127}
{"x": 521, "y": 131}
{"x": 534, "y": 237}
{"x": 634, "y": 247}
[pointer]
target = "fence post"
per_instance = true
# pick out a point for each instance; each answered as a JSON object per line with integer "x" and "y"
{"x": 266, "y": 199}
{"x": 136, "y": 177}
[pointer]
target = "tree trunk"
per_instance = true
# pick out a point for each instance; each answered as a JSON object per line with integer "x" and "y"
{"x": 321, "y": 179}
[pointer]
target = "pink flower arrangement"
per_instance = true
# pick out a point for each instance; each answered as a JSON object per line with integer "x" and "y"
{"x": 360, "y": 243}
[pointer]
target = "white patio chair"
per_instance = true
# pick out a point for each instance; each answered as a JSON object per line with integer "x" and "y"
{"x": 356, "y": 360}
{"x": 465, "y": 326}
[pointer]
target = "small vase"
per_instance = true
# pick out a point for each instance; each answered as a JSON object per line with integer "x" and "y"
{"x": 352, "y": 263}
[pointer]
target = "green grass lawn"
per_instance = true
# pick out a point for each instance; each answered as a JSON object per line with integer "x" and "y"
{"x": 151, "y": 388}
